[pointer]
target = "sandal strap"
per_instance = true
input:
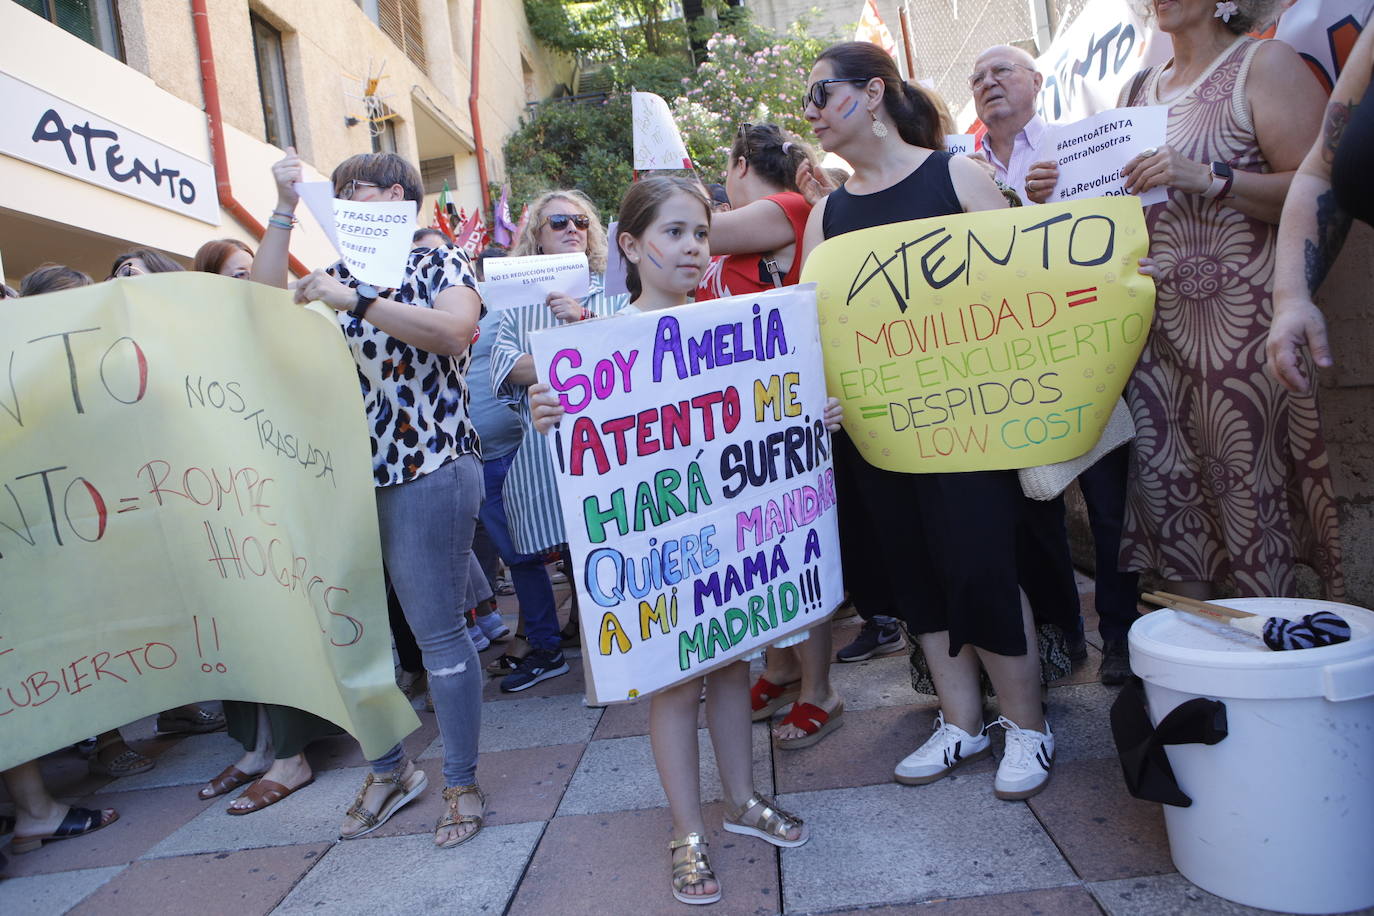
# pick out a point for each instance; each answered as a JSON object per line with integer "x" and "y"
{"x": 451, "y": 816}
{"x": 764, "y": 814}
{"x": 807, "y": 717}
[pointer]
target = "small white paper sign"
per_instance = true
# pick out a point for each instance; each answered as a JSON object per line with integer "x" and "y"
{"x": 372, "y": 238}
{"x": 513, "y": 282}
{"x": 658, "y": 145}
{"x": 961, "y": 144}
{"x": 1092, "y": 152}
{"x": 615, "y": 264}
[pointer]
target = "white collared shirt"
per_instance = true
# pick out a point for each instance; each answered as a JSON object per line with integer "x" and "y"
{"x": 1023, "y": 155}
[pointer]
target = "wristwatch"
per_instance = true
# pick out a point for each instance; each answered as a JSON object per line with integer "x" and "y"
{"x": 366, "y": 296}
{"x": 1222, "y": 176}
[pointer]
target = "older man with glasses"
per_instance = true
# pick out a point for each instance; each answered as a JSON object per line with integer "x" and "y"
{"x": 1005, "y": 84}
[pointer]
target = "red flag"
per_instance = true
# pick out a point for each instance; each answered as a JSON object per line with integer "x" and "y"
{"x": 441, "y": 222}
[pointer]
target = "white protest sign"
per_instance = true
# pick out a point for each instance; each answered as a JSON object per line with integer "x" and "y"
{"x": 696, "y": 483}
{"x": 658, "y": 144}
{"x": 961, "y": 144}
{"x": 1091, "y": 60}
{"x": 615, "y": 264}
{"x": 372, "y": 238}
{"x": 512, "y": 282}
{"x": 1092, "y": 152}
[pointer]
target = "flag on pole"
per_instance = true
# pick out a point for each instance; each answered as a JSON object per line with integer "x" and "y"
{"x": 524, "y": 218}
{"x": 872, "y": 29}
{"x": 504, "y": 232}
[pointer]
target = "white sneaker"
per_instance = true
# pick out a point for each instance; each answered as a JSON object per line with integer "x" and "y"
{"x": 479, "y": 639}
{"x": 493, "y": 626}
{"x": 1026, "y": 761}
{"x": 949, "y": 747}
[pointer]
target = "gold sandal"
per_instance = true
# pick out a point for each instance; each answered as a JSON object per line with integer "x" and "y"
{"x": 403, "y": 790}
{"x": 767, "y": 822}
{"x": 452, "y": 818}
{"x": 693, "y": 870}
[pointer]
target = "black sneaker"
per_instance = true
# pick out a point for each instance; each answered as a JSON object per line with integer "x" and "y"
{"x": 1116, "y": 662}
{"x": 539, "y": 665}
{"x": 875, "y": 638}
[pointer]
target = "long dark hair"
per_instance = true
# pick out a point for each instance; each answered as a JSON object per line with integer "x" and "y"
{"x": 772, "y": 152}
{"x": 920, "y": 117}
{"x": 639, "y": 208}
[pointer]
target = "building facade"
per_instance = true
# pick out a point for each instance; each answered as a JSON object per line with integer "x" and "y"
{"x": 109, "y": 114}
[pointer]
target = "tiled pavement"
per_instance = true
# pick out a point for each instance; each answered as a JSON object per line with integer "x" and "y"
{"x": 577, "y": 824}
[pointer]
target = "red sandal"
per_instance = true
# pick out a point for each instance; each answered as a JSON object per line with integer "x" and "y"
{"x": 814, "y": 721}
{"x": 767, "y": 698}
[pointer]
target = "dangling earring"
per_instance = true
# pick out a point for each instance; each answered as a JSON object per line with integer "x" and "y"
{"x": 879, "y": 128}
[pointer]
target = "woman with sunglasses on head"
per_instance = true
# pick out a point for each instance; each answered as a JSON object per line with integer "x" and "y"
{"x": 139, "y": 261}
{"x": 756, "y": 246}
{"x": 425, "y": 464}
{"x": 559, "y": 222}
{"x": 952, "y": 534}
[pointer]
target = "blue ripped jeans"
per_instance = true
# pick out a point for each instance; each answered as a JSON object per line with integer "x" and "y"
{"x": 426, "y": 528}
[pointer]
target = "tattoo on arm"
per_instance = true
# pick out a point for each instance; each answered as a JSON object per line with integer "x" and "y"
{"x": 1332, "y": 225}
{"x": 1338, "y": 116}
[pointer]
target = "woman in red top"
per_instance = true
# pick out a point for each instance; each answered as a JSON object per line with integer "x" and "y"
{"x": 756, "y": 247}
{"x": 758, "y": 236}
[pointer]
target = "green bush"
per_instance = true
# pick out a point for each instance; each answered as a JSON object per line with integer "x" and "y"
{"x": 587, "y": 146}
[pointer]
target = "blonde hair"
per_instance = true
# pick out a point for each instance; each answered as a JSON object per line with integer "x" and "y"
{"x": 528, "y": 243}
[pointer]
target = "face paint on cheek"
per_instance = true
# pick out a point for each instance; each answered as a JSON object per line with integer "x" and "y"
{"x": 654, "y": 251}
{"x": 852, "y": 108}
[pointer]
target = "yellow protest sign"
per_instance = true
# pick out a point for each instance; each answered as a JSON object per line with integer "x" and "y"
{"x": 186, "y": 513}
{"x": 984, "y": 341}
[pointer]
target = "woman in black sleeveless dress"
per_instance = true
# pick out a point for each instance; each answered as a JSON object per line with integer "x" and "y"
{"x": 949, "y": 540}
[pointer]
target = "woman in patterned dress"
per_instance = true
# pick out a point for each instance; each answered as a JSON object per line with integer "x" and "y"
{"x": 1230, "y": 478}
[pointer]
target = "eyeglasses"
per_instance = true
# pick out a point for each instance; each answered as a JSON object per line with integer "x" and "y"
{"x": 128, "y": 269}
{"x": 995, "y": 74}
{"x": 348, "y": 190}
{"x": 819, "y": 96}
{"x": 559, "y": 221}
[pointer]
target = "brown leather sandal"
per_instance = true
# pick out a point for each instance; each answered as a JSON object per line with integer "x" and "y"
{"x": 264, "y": 793}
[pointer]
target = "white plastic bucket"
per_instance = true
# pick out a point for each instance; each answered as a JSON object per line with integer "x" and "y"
{"x": 1283, "y": 807}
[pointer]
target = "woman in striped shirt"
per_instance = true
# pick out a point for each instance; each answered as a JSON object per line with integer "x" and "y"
{"x": 560, "y": 222}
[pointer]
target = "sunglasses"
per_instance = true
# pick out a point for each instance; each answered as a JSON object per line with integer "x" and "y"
{"x": 559, "y": 221}
{"x": 128, "y": 269}
{"x": 819, "y": 96}
{"x": 347, "y": 191}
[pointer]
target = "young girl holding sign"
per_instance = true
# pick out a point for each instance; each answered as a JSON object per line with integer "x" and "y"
{"x": 664, "y": 224}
